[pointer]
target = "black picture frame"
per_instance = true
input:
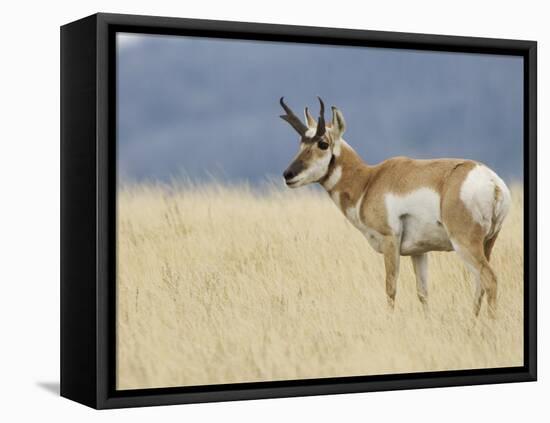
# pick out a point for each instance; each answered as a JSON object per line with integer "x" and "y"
{"x": 88, "y": 200}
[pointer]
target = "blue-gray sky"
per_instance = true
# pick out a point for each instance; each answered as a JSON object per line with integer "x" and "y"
{"x": 198, "y": 106}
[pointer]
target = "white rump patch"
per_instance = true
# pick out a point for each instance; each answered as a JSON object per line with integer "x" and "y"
{"x": 479, "y": 194}
{"x": 334, "y": 178}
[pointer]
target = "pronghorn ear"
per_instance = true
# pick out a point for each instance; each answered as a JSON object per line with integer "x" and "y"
{"x": 338, "y": 122}
{"x": 310, "y": 120}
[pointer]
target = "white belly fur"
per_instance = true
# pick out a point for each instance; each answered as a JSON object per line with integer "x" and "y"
{"x": 416, "y": 218}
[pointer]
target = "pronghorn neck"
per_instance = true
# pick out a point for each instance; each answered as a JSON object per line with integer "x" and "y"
{"x": 345, "y": 168}
{"x": 347, "y": 177}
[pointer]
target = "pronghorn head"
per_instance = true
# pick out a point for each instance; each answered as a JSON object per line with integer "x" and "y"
{"x": 319, "y": 144}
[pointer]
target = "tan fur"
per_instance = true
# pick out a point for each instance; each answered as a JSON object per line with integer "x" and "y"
{"x": 400, "y": 175}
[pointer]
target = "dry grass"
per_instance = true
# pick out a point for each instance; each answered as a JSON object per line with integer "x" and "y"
{"x": 222, "y": 284}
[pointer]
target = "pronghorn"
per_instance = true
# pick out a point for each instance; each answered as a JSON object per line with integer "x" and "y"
{"x": 406, "y": 207}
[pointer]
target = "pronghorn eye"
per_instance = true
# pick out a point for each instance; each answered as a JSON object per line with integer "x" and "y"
{"x": 322, "y": 145}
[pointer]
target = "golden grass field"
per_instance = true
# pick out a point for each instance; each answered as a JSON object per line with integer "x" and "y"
{"x": 223, "y": 284}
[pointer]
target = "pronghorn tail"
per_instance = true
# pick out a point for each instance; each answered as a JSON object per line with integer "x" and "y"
{"x": 501, "y": 204}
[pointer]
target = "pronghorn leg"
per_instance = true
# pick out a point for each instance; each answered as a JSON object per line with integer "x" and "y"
{"x": 420, "y": 265}
{"x": 473, "y": 255}
{"x": 480, "y": 292}
{"x": 478, "y": 296}
{"x": 488, "y": 285}
{"x": 391, "y": 262}
{"x": 488, "y": 246}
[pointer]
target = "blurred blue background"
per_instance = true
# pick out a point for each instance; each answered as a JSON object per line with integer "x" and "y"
{"x": 199, "y": 107}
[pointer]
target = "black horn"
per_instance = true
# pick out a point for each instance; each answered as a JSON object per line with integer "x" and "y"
{"x": 291, "y": 118}
{"x": 321, "y": 129}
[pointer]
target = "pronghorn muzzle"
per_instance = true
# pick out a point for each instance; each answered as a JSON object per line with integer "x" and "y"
{"x": 293, "y": 170}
